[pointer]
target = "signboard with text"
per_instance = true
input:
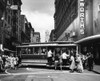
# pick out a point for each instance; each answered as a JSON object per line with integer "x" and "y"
{"x": 82, "y": 16}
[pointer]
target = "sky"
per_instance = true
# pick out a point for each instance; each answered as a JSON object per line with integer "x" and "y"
{"x": 40, "y": 14}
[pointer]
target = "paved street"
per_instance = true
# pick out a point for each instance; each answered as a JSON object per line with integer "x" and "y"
{"x": 45, "y": 74}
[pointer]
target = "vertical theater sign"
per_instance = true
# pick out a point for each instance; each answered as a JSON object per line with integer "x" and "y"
{"x": 82, "y": 15}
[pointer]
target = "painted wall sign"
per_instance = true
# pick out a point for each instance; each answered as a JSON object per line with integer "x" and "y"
{"x": 82, "y": 16}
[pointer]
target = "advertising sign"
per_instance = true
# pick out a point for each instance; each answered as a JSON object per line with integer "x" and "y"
{"x": 82, "y": 16}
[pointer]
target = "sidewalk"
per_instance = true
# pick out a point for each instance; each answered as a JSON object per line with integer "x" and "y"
{"x": 96, "y": 69}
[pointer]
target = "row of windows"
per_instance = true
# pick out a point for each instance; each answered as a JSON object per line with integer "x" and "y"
{"x": 69, "y": 15}
{"x": 35, "y": 51}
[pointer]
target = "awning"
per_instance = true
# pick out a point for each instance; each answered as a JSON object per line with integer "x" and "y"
{"x": 89, "y": 39}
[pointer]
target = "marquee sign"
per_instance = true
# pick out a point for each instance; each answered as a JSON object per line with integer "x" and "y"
{"x": 82, "y": 16}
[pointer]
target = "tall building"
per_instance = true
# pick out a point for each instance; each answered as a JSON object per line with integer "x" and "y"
{"x": 31, "y": 33}
{"x": 78, "y": 20}
{"x": 25, "y": 30}
{"x": 52, "y": 35}
{"x": 47, "y": 34}
{"x": 10, "y": 23}
{"x": 15, "y": 22}
{"x": 36, "y": 37}
{"x": 66, "y": 12}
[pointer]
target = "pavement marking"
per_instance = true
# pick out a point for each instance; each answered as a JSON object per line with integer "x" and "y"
{"x": 6, "y": 71}
{"x": 54, "y": 72}
{"x": 48, "y": 76}
{"x": 28, "y": 68}
{"x": 31, "y": 69}
{"x": 43, "y": 72}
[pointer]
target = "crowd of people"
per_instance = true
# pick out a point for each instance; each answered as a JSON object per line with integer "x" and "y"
{"x": 77, "y": 62}
{"x": 10, "y": 61}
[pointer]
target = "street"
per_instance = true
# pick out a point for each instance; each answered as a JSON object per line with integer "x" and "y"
{"x": 47, "y": 74}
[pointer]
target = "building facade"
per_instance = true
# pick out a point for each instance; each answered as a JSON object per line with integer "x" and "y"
{"x": 36, "y": 37}
{"x": 10, "y": 23}
{"x": 78, "y": 20}
{"x": 25, "y": 30}
{"x": 47, "y": 36}
{"x": 52, "y": 35}
{"x": 15, "y": 8}
{"x": 14, "y": 27}
{"x": 65, "y": 13}
{"x": 31, "y": 33}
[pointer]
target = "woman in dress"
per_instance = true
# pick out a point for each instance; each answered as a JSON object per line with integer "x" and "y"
{"x": 72, "y": 66}
{"x": 79, "y": 64}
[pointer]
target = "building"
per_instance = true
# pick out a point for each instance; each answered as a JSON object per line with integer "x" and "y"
{"x": 14, "y": 27}
{"x": 36, "y": 37}
{"x": 65, "y": 13}
{"x": 31, "y": 33}
{"x": 10, "y": 34}
{"x": 15, "y": 9}
{"x": 10, "y": 24}
{"x": 52, "y": 35}
{"x": 25, "y": 30}
{"x": 78, "y": 20}
{"x": 47, "y": 34}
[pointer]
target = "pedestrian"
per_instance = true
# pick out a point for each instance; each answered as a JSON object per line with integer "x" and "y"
{"x": 90, "y": 61}
{"x": 79, "y": 65}
{"x": 49, "y": 57}
{"x": 56, "y": 61}
{"x": 16, "y": 61}
{"x": 72, "y": 65}
{"x": 84, "y": 61}
{"x": 19, "y": 60}
{"x": 7, "y": 62}
{"x": 64, "y": 57}
{"x": 11, "y": 61}
{"x": 4, "y": 60}
{"x": 1, "y": 63}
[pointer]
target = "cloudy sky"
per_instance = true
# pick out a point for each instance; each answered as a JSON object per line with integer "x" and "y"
{"x": 40, "y": 14}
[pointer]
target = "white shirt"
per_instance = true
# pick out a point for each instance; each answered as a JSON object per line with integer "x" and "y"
{"x": 64, "y": 56}
{"x": 49, "y": 54}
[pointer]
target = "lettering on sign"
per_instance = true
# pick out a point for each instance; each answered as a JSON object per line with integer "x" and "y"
{"x": 82, "y": 16}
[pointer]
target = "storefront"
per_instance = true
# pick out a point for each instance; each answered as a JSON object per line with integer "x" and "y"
{"x": 90, "y": 44}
